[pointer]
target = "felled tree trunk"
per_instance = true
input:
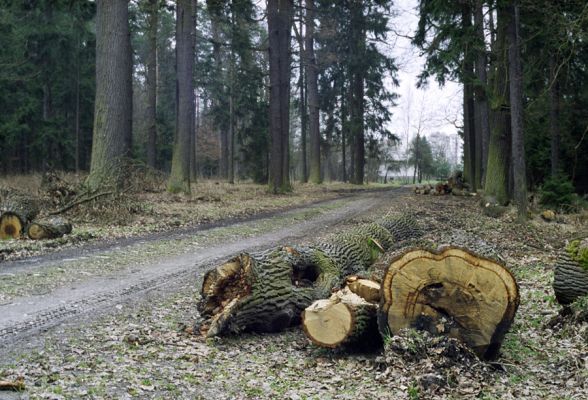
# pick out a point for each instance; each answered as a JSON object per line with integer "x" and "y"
{"x": 15, "y": 215}
{"x": 48, "y": 229}
{"x": 451, "y": 292}
{"x": 343, "y": 319}
{"x": 571, "y": 272}
{"x": 266, "y": 291}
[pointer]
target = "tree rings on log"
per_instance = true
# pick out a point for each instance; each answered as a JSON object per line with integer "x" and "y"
{"x": 451, "y": 292}
{"x": 48, "y": 229}
{"x": 343, "y": 319}
{"x": 11, "y": 226}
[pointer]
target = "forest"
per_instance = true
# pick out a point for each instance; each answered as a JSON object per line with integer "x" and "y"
{"x": 289, "y": 90}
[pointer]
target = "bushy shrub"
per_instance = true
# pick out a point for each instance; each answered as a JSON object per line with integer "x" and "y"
{"x": 557, "y": 192}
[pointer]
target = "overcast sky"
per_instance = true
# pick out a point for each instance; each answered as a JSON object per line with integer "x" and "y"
{"x": 438, "y": 108}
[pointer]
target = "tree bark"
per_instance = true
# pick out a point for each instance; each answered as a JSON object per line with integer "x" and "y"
{"x": 303, "y": 100}
{"x": 356, "y": 105}
{"x": 49, "y": 229}
{"x": 313, "y": 97}
{"x": 481, "y": 105}
{"x": 151, "y": 82}
{"x": 498, "y": 164}
{"x": 570, "y": 280}
{"x": 114, "y": 93}
{"x": 554, "y": 110}
{"x": 279, "y": 16}
{"x": 470, "y": 144}
{"x": 516, "y": 111}
{"x": 179, "y": 179}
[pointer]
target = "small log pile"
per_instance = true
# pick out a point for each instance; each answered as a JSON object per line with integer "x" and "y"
{"x": 450, "y": 291}
{"x": 267, "y": 291}
{"x": 570, "y": 280}
{"x": 455, "y": 185}
{"x": 18, "y": 218}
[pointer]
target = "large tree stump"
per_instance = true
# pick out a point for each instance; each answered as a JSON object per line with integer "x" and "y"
{"x": 452, "y": 292}
{"x": 15, "y": 214}
{"x": 266, "y": 291}
{"x": 48, "y": 229}
{"x": 570, "y": 279}
{"x": 343, "y": 319}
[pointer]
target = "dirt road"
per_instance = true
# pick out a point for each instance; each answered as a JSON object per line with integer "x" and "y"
{"x": 74, "y": 286}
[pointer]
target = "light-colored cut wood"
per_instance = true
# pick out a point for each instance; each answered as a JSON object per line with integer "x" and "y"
{"x": 365, "y": 288}
{"x": 452, "y": 292}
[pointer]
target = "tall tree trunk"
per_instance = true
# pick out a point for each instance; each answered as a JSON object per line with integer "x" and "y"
{"x": 358, "y": 40}
{"x": 179, "y": 179}
{"x": 231, "y": 132}
{"x": 554, "y": 114}
{"x": 498, "y": 164}
{"x": 344, "y": 124}
{"x": 279, "y": 17}
{"x": 214, "y": 8}
{"x": 313, "y": 97}
{"x": 151, "y": 82}
{"x": 114, "y": 93}
{"x": 303, "y": 101}
{"x": 78, "y": 133}
{"x": 470, "y": 144}
{"x": 481, "y": 105}
{"x": 516, "y": 111}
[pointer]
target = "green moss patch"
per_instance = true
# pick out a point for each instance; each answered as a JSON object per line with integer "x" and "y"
{"x": 578, "y": 251}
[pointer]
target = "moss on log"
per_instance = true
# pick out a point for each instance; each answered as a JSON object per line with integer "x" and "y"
{"x": 343, "y": 319}
{"x": 570, "y": 279}
{"x": 452, "y": 292}
{"x": 48, "y": 229}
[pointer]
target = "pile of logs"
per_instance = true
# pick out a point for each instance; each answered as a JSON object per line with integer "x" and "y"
{"x": 331, "y": 290}
{"x": 455, "y": 185}
{"x": 18, "y": 217}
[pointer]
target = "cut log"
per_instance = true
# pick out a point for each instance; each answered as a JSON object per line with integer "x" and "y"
{"x": 343, "y": 319}
{"x": 48, "y": 229}
{"x": 15, "y": 214}
{"x": 266, "y": 291}
{"x": 570, "y": 279}
{"x": 364, "y": 288}
{"x": 352, "y": 252}
{"x": 401, "y": 227}
{"x": 452, "y": 292}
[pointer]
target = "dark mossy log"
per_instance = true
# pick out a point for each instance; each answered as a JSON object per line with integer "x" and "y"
{"x": 401, "y": 227}
{"x": 343, "y": 319}
{"x": 452, "y": 292}
{"x": 15, "y": 214}
{"x": 364, "y": 288}
{"x": 265, "y": 291}
{"x": 51, "y": 228}
{"x": 571, "y": 272}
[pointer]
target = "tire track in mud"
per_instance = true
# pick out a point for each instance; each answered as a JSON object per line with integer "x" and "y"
{"x": 32, "y": 315}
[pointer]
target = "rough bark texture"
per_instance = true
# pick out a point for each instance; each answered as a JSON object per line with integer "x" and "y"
{"x": 49, "y": 229}
{"x": 266, "y": 291}
{"x": 114, "y": 93}
{"x": 356, "y": 91}
{"x": 179, "y": 179}
{"x": 151, "y": 82}
{"x": 345, "y": 319}
{"x": 482, "y": 107}
{"x": 452, "y": 292}
{"x": 279, "y": 20}
{"x": 303, "y": 96}
{"x": 313, "y": 96}
{"x": 516, "y": 111}
{"x": 497, "y": 169}
{"x": 570, "y": 279}
{"x": 15, "y": 215}
{"x": 554, "y": 115}
{"x": 470, "y": 161}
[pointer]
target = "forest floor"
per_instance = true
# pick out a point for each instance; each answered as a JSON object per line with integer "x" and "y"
{"x": 134, "y": 340}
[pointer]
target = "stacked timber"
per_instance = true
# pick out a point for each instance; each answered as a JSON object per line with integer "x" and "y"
{"x": 15, "y": 215}
{"x": 267, "y": 291}
{"x": 570, "y": 279}
{"x": 51, "y": 228}
{"x": 452, "y": 292}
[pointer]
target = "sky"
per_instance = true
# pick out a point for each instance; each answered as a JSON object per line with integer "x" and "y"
{"x": 433, "y": 109}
